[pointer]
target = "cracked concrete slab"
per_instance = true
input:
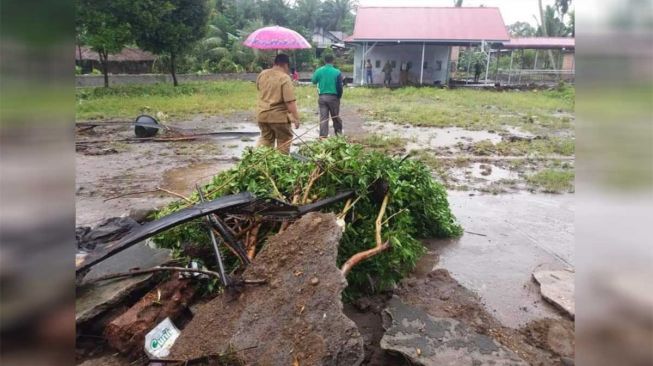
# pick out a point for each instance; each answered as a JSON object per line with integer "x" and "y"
{"x": 557, "y": 287}
{"x": 92, "y": 300}
{"x": 431, "y": 341}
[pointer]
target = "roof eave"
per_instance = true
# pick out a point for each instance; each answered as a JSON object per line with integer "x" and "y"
{"x": 459, "y": 41}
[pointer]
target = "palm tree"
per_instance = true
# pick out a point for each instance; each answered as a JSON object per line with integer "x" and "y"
{"x": 336, "y": 11}
{"x": 307, "y": 13}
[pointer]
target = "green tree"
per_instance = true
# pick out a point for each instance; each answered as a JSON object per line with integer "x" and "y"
{"x": 170, "y": 27}
{"x": 274, "y": 12}
{"x": 307, "y": 13}
{"x": 335, "y": 12}
{"x": 521, "y": 29}
{"x": 104, "y": 27}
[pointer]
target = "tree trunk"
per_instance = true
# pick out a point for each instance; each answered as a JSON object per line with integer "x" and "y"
{"x": 172, "y": 69}
{"x": 545, "y": 31}
{"x": 104, "y": 60}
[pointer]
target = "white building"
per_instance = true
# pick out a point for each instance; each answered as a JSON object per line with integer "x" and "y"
{"x": 420, "y": 39}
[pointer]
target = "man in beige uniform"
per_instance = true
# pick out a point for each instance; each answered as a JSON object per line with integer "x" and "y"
{"x": 277, "y": 107}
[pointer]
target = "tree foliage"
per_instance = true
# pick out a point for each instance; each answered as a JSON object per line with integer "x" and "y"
{"x": 196, "y": 35}
{"x": 522, "y": 29}
{"x": 103, "y": 26}
{"x": 170, "y": 27}
{"x": 417, "y": 207}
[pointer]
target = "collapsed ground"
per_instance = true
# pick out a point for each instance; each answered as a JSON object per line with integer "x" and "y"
{"x": 481, "y": 144}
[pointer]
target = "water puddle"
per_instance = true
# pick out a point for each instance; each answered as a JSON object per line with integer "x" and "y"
{"x": 483, "y": 172}
{"x": 506, "y": 238}
{"x": 183, "y": 179}
{"x": 431, "y": 137}
{"x": 519, "y": 133}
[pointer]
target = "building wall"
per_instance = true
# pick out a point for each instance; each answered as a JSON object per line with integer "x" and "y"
{"x": 568, "y": 61}
{"x": 436, "y": 59}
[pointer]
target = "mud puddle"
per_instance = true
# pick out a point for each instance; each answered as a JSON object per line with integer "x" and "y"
{"x": 483, "y": 173}
{"x": 431, "y": 137}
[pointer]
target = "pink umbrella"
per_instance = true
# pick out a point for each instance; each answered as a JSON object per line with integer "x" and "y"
{"x": 276, "y": 38}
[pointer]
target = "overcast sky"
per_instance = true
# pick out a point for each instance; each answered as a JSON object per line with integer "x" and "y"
{"x": 511, "y": 10}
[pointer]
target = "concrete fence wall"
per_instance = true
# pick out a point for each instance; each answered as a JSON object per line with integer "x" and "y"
{"x": 123, "y": 79}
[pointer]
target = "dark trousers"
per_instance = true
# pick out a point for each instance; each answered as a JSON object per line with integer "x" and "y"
{"x": 368, "y": 77}
{"x": 329, "y": 105}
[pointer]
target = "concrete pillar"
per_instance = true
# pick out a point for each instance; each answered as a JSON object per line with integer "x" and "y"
{"x": 421, "y": 69}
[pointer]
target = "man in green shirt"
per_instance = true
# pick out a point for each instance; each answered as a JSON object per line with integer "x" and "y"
{"x": 329, "y": 87}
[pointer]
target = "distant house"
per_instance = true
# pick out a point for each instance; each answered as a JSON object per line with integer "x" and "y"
{"x": 325, "y": 39}
{"x": 128, "y": 61}
{"x": 419, "y": 40}
{"x": 565, "y": 45}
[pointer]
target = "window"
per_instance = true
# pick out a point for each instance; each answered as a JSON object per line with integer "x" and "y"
{"x": 377, "y": 64}
{"x": 438, "y": 65}
{"x": 393, "y": 63}
{"x": 426, "y": 65}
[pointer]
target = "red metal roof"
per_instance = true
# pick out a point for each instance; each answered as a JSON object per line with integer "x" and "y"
{"x": 429, "y": 24}
{"x": 541, "y": 42}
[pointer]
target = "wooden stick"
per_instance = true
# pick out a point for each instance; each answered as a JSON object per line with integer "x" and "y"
{"x": 251, "y": 245}
{"x": 315, "y": 175}
{"x": 163, "y": 269}
{"x": 380, "y": 245}
{"x": 174, "y": 194}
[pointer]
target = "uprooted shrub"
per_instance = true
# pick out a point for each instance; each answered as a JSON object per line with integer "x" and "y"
{"x": 417, "y": 205}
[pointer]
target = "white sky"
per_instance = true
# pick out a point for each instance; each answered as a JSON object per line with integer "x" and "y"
{"x": 511, "y": 10}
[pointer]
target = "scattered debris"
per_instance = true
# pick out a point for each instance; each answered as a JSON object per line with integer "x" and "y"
{"x": 555, "y": 335}
{"x": 271, "y": 317}
{"x": 107, "y": 231}
{"x": 557, "y": 287}
{"x": 160, "y": 340}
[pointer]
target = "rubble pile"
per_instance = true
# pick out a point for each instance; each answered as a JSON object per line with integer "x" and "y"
{"x": 396, "y": 202}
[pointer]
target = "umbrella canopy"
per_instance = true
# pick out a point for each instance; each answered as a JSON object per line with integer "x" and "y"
{"x": 276, "y": 38}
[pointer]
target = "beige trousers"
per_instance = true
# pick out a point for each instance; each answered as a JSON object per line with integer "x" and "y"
{"x": 279, "y": 133}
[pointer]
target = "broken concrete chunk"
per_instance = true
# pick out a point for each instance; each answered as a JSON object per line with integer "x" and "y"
{"x": 431, "y": 341}
{"x": 289, "y": 320}
{"x": 94, "y": 299}
{"x": 557, "y": 287}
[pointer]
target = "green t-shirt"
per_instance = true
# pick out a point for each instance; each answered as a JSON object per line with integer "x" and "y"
{"x": 328, "y": 79}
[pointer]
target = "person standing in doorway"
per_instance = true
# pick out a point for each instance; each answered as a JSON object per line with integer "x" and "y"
{"x": 368, "y": 72}
{"x": 276, "y": 107}
{"x": 329, "y": 83}
{"x": 478, "y": 68}
{"x": 387, "y": 72}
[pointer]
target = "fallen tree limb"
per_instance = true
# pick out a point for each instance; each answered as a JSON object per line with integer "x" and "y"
{"x": 380, "y": 244}
{"x": 315, "y": 175}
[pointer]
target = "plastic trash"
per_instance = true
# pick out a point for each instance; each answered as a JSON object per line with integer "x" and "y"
{"x": 160, "y": 339}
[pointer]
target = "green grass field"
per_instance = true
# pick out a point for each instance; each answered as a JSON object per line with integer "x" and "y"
{"x": 535, "y": 111}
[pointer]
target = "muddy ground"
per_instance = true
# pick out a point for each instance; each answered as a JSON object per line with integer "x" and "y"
{"x": 482, "y": 278}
